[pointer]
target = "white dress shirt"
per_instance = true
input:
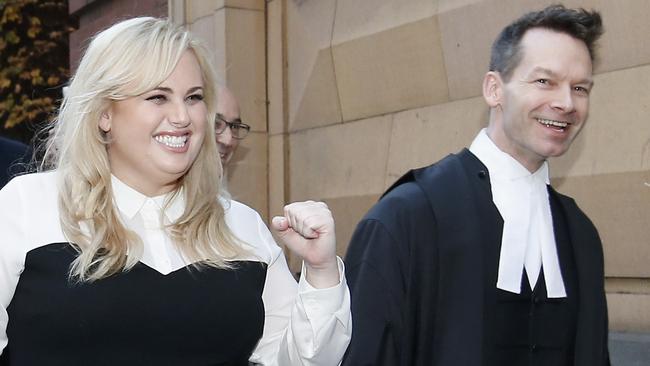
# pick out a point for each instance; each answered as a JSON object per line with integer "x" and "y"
{"x": 302, "y": 326}
{"x": 528, "y": 240}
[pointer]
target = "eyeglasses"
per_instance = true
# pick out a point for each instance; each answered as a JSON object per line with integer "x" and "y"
{"x": 238, "y": 129}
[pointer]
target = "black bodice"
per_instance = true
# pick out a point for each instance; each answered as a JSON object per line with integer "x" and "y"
{"x": 191, "y": 316}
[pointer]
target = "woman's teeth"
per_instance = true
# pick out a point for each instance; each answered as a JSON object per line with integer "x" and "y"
{"x": 171, "y": 141}
{"x": 552, "y": 123}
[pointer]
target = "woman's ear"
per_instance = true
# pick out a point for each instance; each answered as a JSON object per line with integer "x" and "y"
{"x": 492, "y": 88}
{"x": 105, "y": 121}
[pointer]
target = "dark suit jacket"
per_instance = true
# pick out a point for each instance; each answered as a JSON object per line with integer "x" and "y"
{"x": 417, "y": 267}
{"x": 12, "y": 154}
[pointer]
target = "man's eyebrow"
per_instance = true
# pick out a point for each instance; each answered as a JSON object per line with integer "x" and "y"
{"x": 544, "y": 71}
{"x": 222, "y": 117}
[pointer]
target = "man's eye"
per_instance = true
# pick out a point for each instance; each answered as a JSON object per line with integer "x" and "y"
{"x": 542, "y": 81}
{"x": 581, "y": 89}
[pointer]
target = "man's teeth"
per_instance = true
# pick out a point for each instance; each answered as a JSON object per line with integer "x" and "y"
{"x": 172, "y": 141}
{"x": 550, "y": 122}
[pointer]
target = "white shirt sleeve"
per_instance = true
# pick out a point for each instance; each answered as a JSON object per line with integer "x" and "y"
{"x": 13, "y": 237}
{"x": 303, "y": 325}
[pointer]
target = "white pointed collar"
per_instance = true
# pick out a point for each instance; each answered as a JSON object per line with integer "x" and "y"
{"x": 130, "y": 202}
{"x": 501, "y": 164}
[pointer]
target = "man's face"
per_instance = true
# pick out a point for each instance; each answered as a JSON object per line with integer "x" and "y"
{"x": 545, "y": 104}
{"x": 228, "y": 109}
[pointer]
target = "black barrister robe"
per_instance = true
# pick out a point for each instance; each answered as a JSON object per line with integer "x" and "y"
{"x": 417, "y": 267}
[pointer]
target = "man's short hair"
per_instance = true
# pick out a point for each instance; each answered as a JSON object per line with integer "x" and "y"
{"x": 578, "y": 23}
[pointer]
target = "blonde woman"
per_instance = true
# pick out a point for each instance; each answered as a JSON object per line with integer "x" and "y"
{"x": 126, "y": 251}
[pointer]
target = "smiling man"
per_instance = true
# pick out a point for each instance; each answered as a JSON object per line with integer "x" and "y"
{"x": 476, "y": 259}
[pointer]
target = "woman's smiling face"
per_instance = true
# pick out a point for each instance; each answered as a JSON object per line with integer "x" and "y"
{"x": 156, "y": 136}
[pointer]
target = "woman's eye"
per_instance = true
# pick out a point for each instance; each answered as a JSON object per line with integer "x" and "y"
{"x": 542, "y": 81}
{"x": 195, "y": 98}
{"x": 158, "y": 99}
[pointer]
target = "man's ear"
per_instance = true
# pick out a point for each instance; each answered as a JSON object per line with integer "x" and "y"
{"x": 105, "y": 121}
{"x": 492, "y": 89}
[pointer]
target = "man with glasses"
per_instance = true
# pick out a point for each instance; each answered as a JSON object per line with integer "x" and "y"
{"x": 228, "y": 127}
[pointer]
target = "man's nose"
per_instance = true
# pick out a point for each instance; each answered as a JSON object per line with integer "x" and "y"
{"x": 226, "y": 137}
{"x": 563, "y": 99}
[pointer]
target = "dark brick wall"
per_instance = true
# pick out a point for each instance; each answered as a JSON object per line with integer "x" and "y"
{"x": 96, "y": 15}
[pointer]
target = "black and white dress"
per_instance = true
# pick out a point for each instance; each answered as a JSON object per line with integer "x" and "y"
{"x": 163, "y": 311}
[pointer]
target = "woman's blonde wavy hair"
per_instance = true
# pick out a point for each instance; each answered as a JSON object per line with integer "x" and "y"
{"x": 126, "y": 60}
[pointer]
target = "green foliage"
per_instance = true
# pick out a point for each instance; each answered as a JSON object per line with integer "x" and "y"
{"x": 33, "y": 62}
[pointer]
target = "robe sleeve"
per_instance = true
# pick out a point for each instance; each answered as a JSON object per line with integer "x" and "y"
{"x": 377, "y": 288}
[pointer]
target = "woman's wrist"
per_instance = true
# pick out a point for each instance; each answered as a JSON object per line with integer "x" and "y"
{"x": 323, "y": 276}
